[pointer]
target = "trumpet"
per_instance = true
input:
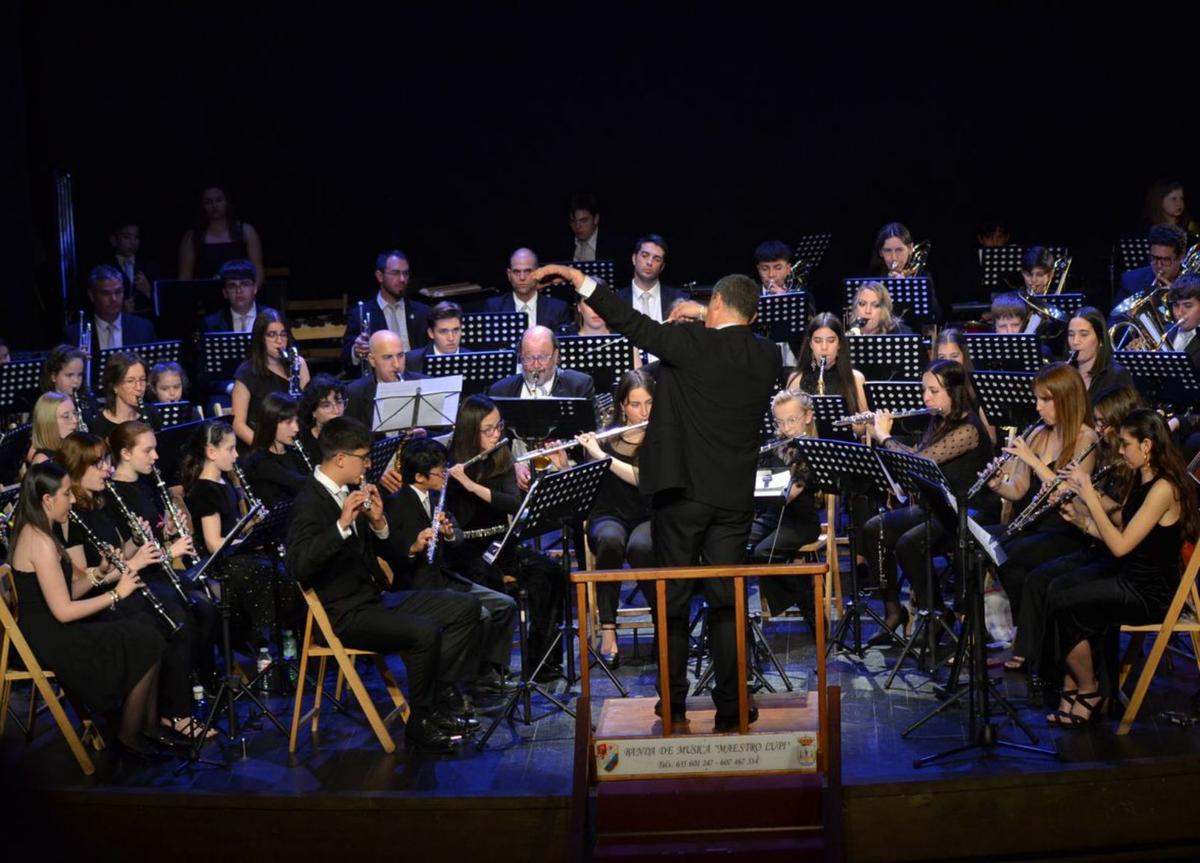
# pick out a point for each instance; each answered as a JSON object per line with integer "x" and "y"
{"x": 995, "y": 464}
{"x": 918, "y": 259}
{"x": 141, "y": 537}
{"x": 1039, "y": 504}
{"x": 113, "y": 556}
{"x": 173, "y": 513}
{"x": 559, "y": 447}
{"x": 869, "y": 416}
{"x": 1046, "y": 313}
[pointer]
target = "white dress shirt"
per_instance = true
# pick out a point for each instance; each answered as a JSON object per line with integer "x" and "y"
{"x": 396, "y": 318}
{"x": 1183, "y": 338}
{"x": 649, "y": 302}
{"x": 109, "y": 335}
{"x": 529, "y": 307}
{"x": 541, "y": 391}
{"x": 244, "y": 323}
{"x": 128, "y": 267}
{"x": 585, "y": 250}
{"x": 340, "y": 493}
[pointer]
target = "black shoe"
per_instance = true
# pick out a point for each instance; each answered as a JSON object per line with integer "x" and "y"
{"x": 678, "y": 712}
{"x": 168, "y": 738}
{"x": 137, "y": 751}
{"x": 451, "y": 698}
{"x": 453, "y": 723}
{"x": 549, "y": 673}
{"x": 723, "y": 722}
{"x": 489, "y": 682}
{"x": 424, "y": 735}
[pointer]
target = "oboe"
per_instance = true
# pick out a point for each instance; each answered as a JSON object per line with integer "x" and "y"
{"x": 869, "y": 416}
{"x": 1037, "y": 506}
{"x": 995, "y": 464}
{"x": 113, "y": 556}
{"x": 364, "y": 319}
{"x": 538, "y": 453}
{"x": 141, "y": 537}
{"x": 172, "y": 511}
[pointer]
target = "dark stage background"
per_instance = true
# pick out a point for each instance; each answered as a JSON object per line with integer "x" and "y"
{"x": 458, "y": 137}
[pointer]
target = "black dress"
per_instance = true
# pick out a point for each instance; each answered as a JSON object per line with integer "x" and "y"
{"x": 211, "y": 256}
{"x": 102, "y": 426}
{"x": 97, "y": 659}
{"x": 275, "y": 477}
{"x": 260, "y": 386}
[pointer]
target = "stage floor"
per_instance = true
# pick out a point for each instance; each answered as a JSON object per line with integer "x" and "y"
{"x": 515, "y": 793}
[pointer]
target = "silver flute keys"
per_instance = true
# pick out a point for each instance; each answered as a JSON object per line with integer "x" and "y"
{"x": 431, "y": 549}
{"x": 995, "y": 464}
{"x": 113, "y": 556}
{"x": 1037, "y": 506}
{"x": 869, "y": 416}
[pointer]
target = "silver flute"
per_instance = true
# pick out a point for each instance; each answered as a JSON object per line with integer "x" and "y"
{"x": 607, "y": 433}
{"x": 1038, "y": 506}
{"x": 431, "y": 549}
{"x": 113, "y": 556}
{"x": 993, "y": 467}
{"x": 869, "y": 416}
{"x": 141, "y": 537}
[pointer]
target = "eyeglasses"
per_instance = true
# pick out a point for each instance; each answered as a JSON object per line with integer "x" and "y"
{"x": 498, "y": 427}
{"x": 1163, "y": 259}
{"x": 440, "y": 474}
{"x": 365, "y": 458}
{"x": 789, "y": 422}
{"x": 331, "y": 404}
{"x": 280, "y": 335}
{"x": 535, "y": 358}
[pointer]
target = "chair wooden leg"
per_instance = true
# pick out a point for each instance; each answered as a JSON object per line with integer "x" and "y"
{"x": 1143, "y": 683}
{"x": 399, "y": 702}
{"x": 341, "y": 683}
{"x": 316, "y": 708}
{"x": 1132, "y": 651}
{"x": 368, "y": 706}
{"x": 64, "y": 724}
{"x": 296, "y": 709}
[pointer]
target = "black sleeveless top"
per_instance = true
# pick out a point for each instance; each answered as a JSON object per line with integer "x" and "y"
{"x": 617, "y": 498}
{"x": 1151, "y": 569}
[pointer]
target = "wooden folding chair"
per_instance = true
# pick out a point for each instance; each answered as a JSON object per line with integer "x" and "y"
{"x": 39, "y": 677}
{"x": 642, "y": 614}
{"x": 318, "y": 621}
{"x": 1174, "y": 623}
{"x": 827, "y": 543}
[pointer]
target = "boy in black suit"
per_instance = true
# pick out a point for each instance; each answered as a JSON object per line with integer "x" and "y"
{"x": 332, "y": 544}
{"x": 410, "y": 514}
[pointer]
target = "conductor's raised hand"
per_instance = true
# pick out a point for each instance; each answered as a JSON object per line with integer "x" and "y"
{"x": 555, "y": 272}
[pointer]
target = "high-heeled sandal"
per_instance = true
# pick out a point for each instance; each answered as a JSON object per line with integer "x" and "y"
{"x": 612, "y": 660}
{"x": 1092, "y": 702}
{"x": 885, "y": 635}
{"x": 1067, "y": 695}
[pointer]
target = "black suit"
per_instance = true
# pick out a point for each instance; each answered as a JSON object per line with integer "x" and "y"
{"x": 609, "y": 247}
{"x": 1192, "y": 349}
{"x": 414, "y": 360}
{"x": 407, "y": 517}
{"x": 669, "y": 296}
{"x": 550, "y": 312}
{"x": 435, "y": 632}
{"x": 697, "y": 461}
{"x": 568, "y": 383}
{"x": 416, "y": 314}
{"x": 360, "y": 396}
{"x": 143, "y": 305}
{"x": 134, "y": 331}
{"x": 221, "y": 321}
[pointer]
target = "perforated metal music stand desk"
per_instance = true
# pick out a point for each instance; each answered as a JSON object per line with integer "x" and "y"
{"x": 783, "y": 316}
{"x": 826, "y": 411}
{"x": 605, "y": 358}
{"x": 479, "y": 369}
{"x": 1163, "y": 377}
{"x": 148, "y": 352}
{"x": 1069, "y": 303}
{"x": 174, "y": 413}
{"x": 912, "y": 297}
{"x": 543, "y": 419}
{"x": 1006, "y": 397}
{"x": 846, "y": 468}
{"x": 492, "y": 330}
{"x": 383, "y": 454}
{"x": 14, "y": 444}
{"x": 171, "y": 442}
{"x": 887, "y": 357}
{"x": 221, "y": 354}
{"x": 998, "y": 261}
{"x": 897, "y": 396}
{"x": 556, "y": 501}
{"x": 423, "y": 402}
{"x": 19, "y": 385}
{"x": 1133, "y": 252}
{"x": 1004, "y": 352}
{"x": 811, "y": 249}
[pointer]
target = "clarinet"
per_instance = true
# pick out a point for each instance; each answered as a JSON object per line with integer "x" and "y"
{"x": 364, "y": 326}
{"x": 1069, "y": 496}
{"x": 85, "y": 345}
{"x": 80, "y": 424}
{"x": 169, "y": 506}
{"x": 1039, "y": 505}
{"x": 292, "y": 355}
{"x": 251, "y": 500}
{"x": 141, "y": 409}
{"x": 304, "y": 455}
{"x": 995, "y": 464}
{"x": 821, "y": 377}
{"x": 113, "y": 556}
{"x": 140, "y": 537}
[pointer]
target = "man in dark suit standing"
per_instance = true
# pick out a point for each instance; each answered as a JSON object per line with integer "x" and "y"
{"x": 699, "y": 456}
{"x": 410, "y": 514}
{"x": 646, "y": 292}
{"x": 542, "y": 310}
{"x": 137, "y": 273}
{"x": 540, "y": 376}
{"x": 239, "y": 286}
{"x": 111, "y": 326}
{"x": 445, "y": 336}
{"x": 1167, "y": 245}
{"x": 590, "y": 243}
{"x": 390, "y": 310}
{"x": 332, "y": 544}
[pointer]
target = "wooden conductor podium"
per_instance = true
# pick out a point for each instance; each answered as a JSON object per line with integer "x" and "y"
{"x": 765, "y": 791}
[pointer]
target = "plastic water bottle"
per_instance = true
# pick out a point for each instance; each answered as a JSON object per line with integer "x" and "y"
{"x": 264, "y": 662}
{"x": 290, "y": 653}
{"x": 199, "y": 707}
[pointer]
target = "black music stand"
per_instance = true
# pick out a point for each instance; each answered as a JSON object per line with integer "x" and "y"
{"x": 8, "y": 498}
{"x": 1163, "y": 377}
{"x": 1006, "y": 397}
{"x": 171, "y": 441}
{"x": 912, "y": 297}
{"x": 887, "y": 357}
{"x": 179, "y": 304}
{"x": 556, "y": 501}
{"x": 383, "y": 453}
{"x": 915, "y": 474}
{"x": 783, "y": 316}
{"x": 605, "y": 358}
{"x": 826, "y": 411}
{"x": 973, "y": 546}
{"x": 479, "y": 369}
{"x": 1133, "y": 252}
{"x": 1004, "y": 352}
{"x": 897, "y": 396}
{"x": 148, "y": 352}
{"x": 543, "y": 419}
{"x": 1069, "y": 303}
{"x": 19, "y": 385}
{"x": 846, "y": 468}
{"x": 492, "y": 330}
{"x": 996, "y": 262}
{"x": 811, "y": 249}
{"x": 221, "y": 354}
{"x": 174, "y": 413}
{"x": 14, "y": 445}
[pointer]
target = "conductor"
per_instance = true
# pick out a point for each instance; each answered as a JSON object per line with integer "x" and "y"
{"x": 714, "y": 383}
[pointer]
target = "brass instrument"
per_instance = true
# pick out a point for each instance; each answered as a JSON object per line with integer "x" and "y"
{"x": 797, "y": 277}
{"x": 1038, "y": 505}
{"x": 1046, "y": 312}
{"x": 113, "y": 556}
{"x": 141, "y": 537}
{"x": 364, "y": 320}
{"x": 607, "y": 433}
{"x": 995, "y": 464}
{"x": 821, "y": 377}
{"x": 918, "y": 260}
{"x": 1058, "y": 280}
{"x": 172, "y": 511}
{"x": 1191, "y": 261}
{"x": 1143, "y": 321}
{"x": 869, "y": 416}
